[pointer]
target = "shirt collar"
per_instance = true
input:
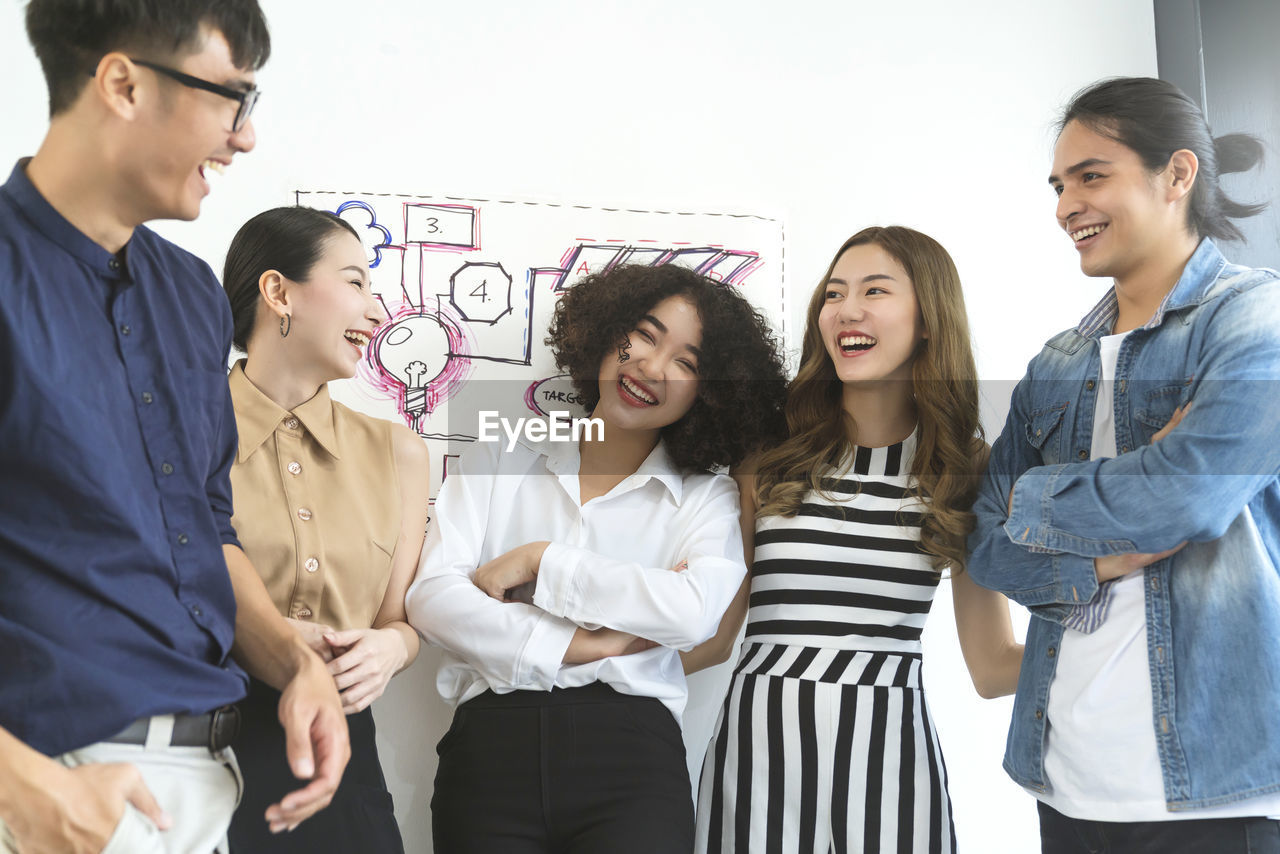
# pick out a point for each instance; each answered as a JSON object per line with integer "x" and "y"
{"x": 53, "y": 225}
{"x": 1197, "y": 277}
{"x": 258, "y": 416}
{"x": 563, "y": 459}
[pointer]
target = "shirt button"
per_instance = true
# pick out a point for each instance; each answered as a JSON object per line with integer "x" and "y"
{"x": 291, "y": 423}
{"x": 304, "y": 514}
{"x": 1052, "y": 652}
{"x": 295, "y": 467}
{"x": 311, "y": 565}
{"x": 304, "y": 613}
{"x": 1125, "y": 449}
{"x": 183, "y": 539}
{"x": 195, "y": 610}
{"x": 1039, "y": 714}
{"x": 146, "y": 397}
{"x": 167, "y": 468}
{"x": 1084, "y": 455}
{"x": 1089, "y": 385}
{"x": 124, "y": 329}
{"x": 114, "y": 264}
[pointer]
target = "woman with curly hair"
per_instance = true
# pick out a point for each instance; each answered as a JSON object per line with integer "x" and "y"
{"x": 562, "y": 578}
{"x": 825, "y": 736}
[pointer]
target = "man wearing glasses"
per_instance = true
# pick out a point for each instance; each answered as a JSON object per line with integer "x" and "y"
{"x": 122, "y": 586}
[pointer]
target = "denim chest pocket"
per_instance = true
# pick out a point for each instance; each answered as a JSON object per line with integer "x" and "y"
{"x": 1158, "y": 406}
{"x": 1045, "y": 433}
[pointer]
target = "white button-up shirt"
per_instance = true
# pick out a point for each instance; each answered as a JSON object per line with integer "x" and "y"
{"x": 609, "y": 564}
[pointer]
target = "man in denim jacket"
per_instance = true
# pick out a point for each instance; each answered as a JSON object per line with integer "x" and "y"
{"x": 1133, "y": 504}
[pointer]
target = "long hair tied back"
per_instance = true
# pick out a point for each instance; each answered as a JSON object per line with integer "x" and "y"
{"x": 944, "y": 384}
{"x": 1155, "y": 118}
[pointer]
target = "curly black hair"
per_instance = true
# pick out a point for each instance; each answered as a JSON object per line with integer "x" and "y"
{"x": 741, "y": 378}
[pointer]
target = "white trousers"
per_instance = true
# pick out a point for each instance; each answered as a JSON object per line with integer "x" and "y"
{"x": 197, "y": 788}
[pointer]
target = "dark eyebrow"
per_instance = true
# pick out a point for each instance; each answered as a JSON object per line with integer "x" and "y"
{"x": 1080, "y": 167}
{"x": 663, "y": 329}
{"x": 874, "y": 277}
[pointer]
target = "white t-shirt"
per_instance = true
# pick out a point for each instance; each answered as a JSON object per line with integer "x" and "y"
{"x": 1101, "y": 762}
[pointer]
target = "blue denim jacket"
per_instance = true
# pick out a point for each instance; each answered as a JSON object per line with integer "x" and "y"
{"x": 1213, "y": 609}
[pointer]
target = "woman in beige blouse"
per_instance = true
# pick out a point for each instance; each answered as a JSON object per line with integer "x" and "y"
{"x": 330, "y": 505}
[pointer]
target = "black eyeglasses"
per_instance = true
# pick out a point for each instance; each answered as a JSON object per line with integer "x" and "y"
{"x": 247, "y": 98}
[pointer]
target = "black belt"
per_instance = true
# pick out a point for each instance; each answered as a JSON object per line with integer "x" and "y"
{"x": 214, "y": 730}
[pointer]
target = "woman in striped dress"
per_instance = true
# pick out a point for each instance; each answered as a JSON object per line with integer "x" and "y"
{"x": 825, "y": 742}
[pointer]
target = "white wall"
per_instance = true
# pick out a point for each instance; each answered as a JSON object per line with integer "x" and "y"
{"x": 834, "y": 115}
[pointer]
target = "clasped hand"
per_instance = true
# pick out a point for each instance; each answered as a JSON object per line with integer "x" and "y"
{"x": 362, "y": 662}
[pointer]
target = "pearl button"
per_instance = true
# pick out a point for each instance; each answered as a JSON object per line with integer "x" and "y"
{"x": 295, "y": 467}
{"x": 291, "y": 423}
{"x": 304, "y": 613}
{"x": 304, "y": 514}
{"x": 312, "y": 564}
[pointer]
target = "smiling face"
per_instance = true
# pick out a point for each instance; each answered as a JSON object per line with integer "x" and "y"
{"x": 652, "y": 381}
{"x": 1115, "y": 211}
{"x": 334, "y": 312}
{"x": 185, "y": 133}
{"x": 870, "y": 321}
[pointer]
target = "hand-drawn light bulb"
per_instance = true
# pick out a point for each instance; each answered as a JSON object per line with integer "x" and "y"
{"x": 421, "y": 355}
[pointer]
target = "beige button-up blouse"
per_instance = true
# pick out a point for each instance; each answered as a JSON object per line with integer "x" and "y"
{"x": 317, "y": 504}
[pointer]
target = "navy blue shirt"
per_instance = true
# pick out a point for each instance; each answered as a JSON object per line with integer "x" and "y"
{"x": 116, "y": 443}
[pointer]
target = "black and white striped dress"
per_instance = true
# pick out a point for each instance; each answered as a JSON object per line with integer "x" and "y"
{"x": 825, "y": 743}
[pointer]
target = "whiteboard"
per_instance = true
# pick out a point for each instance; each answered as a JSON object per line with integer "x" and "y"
{"x": 470, "y": 285}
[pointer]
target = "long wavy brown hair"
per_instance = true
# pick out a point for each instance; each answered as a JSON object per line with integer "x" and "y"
{"x": 949, "y": 450}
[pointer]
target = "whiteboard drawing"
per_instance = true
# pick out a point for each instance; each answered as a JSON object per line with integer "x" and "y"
{"x": 468, "y": 317}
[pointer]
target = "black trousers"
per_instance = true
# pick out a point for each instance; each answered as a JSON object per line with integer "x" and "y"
{"x": 358, "y": 819}
{"x": 567, "y": 771}
{"x": 1062, "y": 835}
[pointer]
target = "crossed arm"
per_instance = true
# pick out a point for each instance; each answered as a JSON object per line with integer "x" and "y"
{"x": 1047, "y": 535}
{"x": 584, "y": 605}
